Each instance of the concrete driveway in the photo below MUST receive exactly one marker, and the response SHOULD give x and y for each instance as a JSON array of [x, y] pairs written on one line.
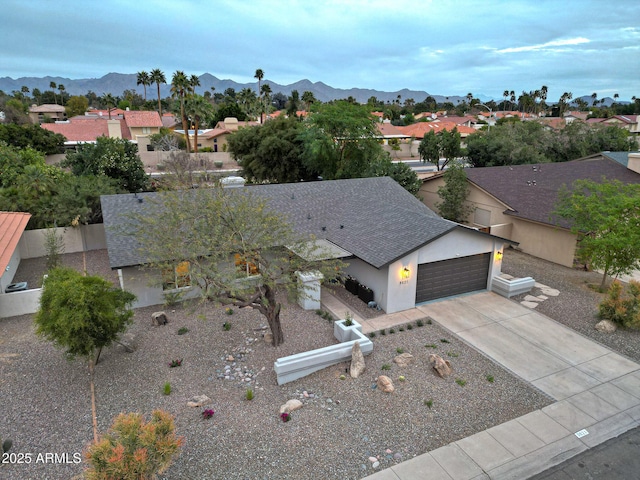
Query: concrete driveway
[[597, 393]]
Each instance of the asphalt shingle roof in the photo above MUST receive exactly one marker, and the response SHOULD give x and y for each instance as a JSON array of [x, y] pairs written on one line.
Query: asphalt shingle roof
[[515, 187], [375, 219]]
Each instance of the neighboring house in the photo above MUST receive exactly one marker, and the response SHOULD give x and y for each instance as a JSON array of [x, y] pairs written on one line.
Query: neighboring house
[[142, 123], [87, 129], [575, 115], [12, 225], [42, 113], [517, 202], [391, 241], [130, 125]]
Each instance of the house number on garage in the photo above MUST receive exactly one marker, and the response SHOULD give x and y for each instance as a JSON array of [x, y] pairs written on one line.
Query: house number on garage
[[403, 282]]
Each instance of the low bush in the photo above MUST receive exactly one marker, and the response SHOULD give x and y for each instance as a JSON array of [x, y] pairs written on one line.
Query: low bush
[[622, 306], [134, 448]]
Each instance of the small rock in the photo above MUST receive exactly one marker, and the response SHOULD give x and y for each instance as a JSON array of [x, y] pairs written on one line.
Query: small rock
[[159, 318], [397, 456], [385, 384], [388, 450], [376, 464], [291, 406], [404, 359], [373, 459], [531, 298], [198, 401], [268, 338], [606, 326], [230, 358], [305, 394]]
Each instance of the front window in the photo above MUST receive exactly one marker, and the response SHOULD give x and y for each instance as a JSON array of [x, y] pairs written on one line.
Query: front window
[[178, 277], [250, 267]]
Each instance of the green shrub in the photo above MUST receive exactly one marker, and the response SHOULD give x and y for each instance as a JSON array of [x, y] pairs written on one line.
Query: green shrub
[[182, 330], [226, 326], [400, 350], [401, 329], [453, 354], [228, 311], [372, 335], [167, 389], [318, 311], [490, 378], [134, 448], [348, 319], [431, 345], [622, 306], [386, 366], [391, 330], [249, 394], [409, 327], [419, 323], [428, 403], [444, 340], [461, 382], [383, 332]]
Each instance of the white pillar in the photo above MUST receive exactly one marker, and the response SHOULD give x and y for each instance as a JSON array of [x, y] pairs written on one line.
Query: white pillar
[[309, 289]]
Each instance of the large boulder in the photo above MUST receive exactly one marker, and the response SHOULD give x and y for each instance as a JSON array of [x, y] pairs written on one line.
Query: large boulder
[[159, 318], [404, 359], [385, 384], [290, 406], [357, 361], [442, 367]]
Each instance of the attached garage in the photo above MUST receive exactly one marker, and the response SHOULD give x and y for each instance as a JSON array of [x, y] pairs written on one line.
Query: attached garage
[[452, 277]]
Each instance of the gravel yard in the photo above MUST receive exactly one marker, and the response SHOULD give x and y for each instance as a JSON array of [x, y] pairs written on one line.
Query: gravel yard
[[46, 403]]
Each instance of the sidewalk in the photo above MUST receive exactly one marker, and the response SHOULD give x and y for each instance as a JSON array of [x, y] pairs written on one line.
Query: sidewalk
[[597, 391]]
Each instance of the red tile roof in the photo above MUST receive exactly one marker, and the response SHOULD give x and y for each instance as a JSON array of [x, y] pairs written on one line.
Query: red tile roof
[[142, 119], [12, 224], [86, 129], [388, 130], [419, 129]]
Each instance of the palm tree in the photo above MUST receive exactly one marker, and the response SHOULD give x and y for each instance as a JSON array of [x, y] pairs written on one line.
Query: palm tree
[[157, 77], [259, 75], [109, 101], [505, 94], [615, 97], [143, 79], [197, 109], [179, 88], [512, 98], [265, 93], [293, 102], [469, 97], [61, 89], [309, 98], [594, 98], [194, 81], [53, 86]]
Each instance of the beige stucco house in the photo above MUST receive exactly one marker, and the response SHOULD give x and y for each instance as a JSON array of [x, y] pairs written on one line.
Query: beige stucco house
[[517, 202], [51, 112]]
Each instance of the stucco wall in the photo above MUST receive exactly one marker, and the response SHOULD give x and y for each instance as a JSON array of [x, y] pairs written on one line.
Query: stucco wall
[[550, 243], [20, 303], [85, 237], [370, 276], [6, 277], [402, 292]]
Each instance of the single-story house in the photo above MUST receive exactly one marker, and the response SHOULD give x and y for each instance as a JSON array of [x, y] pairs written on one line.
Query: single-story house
[[516, 202], [392, 242]]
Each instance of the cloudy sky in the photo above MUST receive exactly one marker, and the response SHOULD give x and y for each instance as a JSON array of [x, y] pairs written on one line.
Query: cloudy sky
[[445, 47]]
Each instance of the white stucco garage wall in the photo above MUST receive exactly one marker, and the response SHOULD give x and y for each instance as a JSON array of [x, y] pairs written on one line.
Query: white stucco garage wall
[[144, 285], [375, 279]]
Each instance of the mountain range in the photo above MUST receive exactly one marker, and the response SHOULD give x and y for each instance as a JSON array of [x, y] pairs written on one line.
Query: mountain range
[[117, 83]]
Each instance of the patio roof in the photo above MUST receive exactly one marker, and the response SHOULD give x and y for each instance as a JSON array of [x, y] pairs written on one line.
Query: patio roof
[[12, 224]]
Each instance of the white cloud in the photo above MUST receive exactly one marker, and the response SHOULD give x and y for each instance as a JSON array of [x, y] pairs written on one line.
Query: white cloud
[[546, 46]]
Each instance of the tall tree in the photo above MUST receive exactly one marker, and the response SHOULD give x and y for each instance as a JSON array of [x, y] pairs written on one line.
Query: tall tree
[[453, 194], [194, 81], [293, 103], [259, 75], [157, 77], [110, 101], [77, 105], [143, 79], [605, 216], [198, 110], [429, 149], [53, 86], [265, 93], [179, 88], [244, 239], [82, 314], [61, 90]]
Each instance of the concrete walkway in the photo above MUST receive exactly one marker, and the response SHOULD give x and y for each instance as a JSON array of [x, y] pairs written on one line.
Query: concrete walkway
[[597, 391]]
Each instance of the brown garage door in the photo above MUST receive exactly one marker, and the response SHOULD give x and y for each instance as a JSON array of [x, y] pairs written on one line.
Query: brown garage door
[[452, 277]]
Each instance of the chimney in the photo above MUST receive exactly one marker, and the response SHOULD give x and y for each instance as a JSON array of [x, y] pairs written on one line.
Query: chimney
[[634, 162], [114, 129]]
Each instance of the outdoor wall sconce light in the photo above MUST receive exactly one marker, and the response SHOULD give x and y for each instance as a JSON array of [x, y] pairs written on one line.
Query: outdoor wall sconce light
[[405, 273], [498, 256]]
